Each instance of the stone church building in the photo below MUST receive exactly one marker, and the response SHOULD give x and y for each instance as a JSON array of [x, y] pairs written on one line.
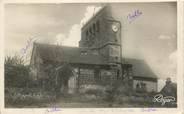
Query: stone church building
[[98, 60]]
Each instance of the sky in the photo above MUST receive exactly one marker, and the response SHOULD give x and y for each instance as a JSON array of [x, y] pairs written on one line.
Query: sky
[[151, 36]]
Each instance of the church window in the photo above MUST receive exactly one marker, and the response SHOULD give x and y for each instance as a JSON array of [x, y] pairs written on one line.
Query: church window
[[87, 33], [115, 51], [86, 75], [116, 40], [116, 57], [84, 53], [90, 30], [141, 87], [94, 28], [97, 26], [97, 75]]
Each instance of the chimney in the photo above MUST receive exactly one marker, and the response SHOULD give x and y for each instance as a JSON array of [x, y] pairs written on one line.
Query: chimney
[[168, 81]]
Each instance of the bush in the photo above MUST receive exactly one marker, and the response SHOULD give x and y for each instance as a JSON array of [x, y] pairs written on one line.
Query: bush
[[26, 95], [92, 89], [16, 73], [92, 92]]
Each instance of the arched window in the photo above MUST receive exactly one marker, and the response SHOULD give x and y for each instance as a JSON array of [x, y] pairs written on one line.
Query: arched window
[[94, 28], [87, 33], [97, 26], [90, 30], [116, 40]]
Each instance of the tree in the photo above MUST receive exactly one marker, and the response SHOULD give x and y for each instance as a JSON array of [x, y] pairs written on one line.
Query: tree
[[63, 74], [14, 60], [16, 73]]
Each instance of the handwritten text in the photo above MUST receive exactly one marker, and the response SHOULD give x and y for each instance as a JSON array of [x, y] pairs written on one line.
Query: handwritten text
[[28, 45], [148, 109], [133, 15], [54, 109]]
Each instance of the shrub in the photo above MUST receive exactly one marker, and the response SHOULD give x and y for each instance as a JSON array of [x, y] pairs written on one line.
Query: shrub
[[16, 73], [92, 89], [26, 96]]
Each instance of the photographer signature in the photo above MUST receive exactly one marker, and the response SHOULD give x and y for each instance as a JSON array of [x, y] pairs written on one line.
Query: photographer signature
[[162, 99]]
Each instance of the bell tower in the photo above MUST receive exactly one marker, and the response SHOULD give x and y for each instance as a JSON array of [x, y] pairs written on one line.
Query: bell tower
[[102, 34], [113, 44]]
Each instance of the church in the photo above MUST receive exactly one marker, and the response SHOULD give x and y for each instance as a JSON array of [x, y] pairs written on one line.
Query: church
[[97, 61]]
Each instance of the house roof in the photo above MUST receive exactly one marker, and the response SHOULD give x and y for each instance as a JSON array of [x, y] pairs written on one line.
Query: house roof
[[140, 68], [68, 54], [78, 55], [169, 89]]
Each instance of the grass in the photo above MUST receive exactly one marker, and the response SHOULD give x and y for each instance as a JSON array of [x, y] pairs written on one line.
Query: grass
[[89, 99]]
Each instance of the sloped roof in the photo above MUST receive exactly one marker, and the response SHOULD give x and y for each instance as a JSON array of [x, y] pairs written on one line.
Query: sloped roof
[[73, 55], [68, 54], [169, 89], [140, 68]]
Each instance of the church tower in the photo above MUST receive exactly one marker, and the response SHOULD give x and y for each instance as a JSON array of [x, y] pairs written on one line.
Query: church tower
[[102, 34]]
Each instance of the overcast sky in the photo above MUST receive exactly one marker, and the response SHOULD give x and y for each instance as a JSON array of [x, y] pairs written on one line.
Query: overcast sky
[[151, 36]]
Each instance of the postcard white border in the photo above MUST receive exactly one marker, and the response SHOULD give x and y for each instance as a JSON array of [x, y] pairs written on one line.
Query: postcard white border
[[180, 65]]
